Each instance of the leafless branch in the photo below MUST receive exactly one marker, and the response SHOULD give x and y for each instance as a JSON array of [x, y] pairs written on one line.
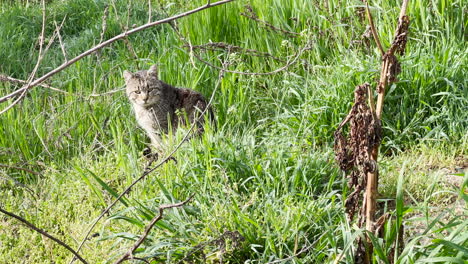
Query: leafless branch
[[16, 182], [129, 254], [249, 13], [107, 93], [100, 46], [298, 54], [149, 11], [44, 233], [373, 30], [5, 78], [282, 68], [104, 23], [226, 46], [19, 168], [62, 47]]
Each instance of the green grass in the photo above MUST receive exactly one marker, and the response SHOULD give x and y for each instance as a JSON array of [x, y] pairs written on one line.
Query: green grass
[[268, 169]]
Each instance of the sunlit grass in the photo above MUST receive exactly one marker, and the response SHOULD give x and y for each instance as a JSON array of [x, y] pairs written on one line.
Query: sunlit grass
[[267, 170]]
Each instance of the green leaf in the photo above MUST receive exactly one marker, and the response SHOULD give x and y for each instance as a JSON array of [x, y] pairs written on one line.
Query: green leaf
[[108, 188], [443, 260]]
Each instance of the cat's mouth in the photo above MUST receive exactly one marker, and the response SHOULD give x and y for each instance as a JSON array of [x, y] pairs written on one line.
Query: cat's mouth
[[146, 103]]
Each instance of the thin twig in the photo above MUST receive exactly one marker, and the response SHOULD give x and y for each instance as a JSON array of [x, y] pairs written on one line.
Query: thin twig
[[5, 78], [104, 44], [282, 68], [39, 59], [213, 46], [104, 23], [62, 46], [149, 11], [148, 228], [251, 14], [107, 93], [19, 168], [373, 30], [44, 233]]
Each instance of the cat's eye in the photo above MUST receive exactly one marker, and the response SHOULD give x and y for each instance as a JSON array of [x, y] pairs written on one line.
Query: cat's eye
[[137, 92]]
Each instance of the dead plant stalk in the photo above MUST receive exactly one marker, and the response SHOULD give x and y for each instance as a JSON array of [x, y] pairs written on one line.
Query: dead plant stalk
[[357, 154]]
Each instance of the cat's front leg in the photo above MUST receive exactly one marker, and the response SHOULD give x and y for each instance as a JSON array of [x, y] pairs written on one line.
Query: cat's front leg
[[157, 143]]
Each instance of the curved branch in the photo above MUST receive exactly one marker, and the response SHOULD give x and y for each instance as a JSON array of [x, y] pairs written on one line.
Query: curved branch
[[4, 78], [148, 228], [44, 233], [373, 30]]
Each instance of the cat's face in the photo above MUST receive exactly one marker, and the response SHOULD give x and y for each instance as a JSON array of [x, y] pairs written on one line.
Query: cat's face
[[143, 87]]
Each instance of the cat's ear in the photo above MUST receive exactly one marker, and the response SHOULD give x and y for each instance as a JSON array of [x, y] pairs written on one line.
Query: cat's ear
[[153, 71], [127, 75]]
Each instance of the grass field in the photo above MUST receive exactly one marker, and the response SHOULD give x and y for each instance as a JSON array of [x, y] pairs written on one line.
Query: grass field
[[264, 177]]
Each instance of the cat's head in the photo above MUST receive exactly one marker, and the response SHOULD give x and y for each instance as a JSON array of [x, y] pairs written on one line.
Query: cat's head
[[143, 87]]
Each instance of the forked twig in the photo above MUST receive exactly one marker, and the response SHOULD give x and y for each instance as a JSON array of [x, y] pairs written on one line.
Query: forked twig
[[373, 30], [5, 78], [129, 254], [44, 233]]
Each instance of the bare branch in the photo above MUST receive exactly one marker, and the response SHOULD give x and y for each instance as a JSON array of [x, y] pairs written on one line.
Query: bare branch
[[226, 46], [149, 11], [62, 47], [19, 168], [282, 68], [44, 233], [104, 44], [298, 54], [373, 30], [104, 23], [404, 6], [107, 93], [251, 15], [39, 59], [129, 254], [5, 78]]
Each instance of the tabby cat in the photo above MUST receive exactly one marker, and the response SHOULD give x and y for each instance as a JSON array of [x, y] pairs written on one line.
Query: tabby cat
[[159, 106]]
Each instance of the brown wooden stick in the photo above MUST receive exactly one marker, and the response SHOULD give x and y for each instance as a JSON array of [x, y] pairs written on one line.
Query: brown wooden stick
[[44, 233], [370, 199], [129, 254], [5, 78], [373, 30], [106, 43]]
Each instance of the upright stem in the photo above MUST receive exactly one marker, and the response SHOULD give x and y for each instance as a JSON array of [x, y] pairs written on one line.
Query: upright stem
[[372, 177]]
